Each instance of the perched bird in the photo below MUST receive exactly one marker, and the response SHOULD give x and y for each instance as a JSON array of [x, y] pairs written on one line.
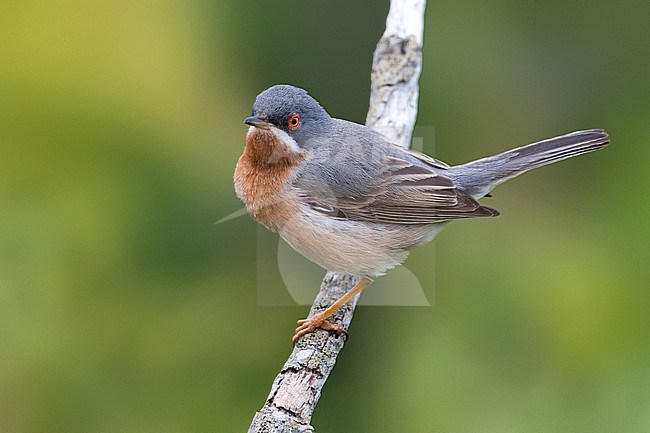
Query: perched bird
[[345, 197]]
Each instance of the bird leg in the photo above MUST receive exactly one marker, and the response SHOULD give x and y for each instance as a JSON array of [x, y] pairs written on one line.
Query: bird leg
[[310, 324]]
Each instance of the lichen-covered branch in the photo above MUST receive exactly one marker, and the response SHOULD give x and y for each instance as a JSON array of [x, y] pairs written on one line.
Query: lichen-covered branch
[[393, 109], [396, 67]]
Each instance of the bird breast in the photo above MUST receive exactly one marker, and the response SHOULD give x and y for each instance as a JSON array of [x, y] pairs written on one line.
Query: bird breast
[[261, 176]]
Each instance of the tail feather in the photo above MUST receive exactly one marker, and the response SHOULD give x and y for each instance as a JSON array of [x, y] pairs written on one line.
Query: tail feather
[[479, 177]]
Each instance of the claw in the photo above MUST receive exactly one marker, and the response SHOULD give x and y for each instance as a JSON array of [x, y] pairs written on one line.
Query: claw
[[307, 326]]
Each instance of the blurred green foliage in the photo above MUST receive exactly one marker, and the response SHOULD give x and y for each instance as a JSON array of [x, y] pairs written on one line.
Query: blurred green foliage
[[124, 308]]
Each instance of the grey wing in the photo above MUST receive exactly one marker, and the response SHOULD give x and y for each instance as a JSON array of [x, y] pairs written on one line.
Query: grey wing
[[401, 188]]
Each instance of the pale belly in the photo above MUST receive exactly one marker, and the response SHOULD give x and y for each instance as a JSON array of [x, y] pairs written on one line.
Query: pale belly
[[353, 247]]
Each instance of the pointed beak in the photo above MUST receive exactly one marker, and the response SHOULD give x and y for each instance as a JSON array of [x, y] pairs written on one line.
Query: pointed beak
[[260, 122]]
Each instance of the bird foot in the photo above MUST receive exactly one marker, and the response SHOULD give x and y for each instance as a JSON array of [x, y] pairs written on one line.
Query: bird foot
[[309, 325]]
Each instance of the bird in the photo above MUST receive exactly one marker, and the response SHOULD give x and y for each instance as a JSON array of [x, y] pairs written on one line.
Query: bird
[[347, 198]]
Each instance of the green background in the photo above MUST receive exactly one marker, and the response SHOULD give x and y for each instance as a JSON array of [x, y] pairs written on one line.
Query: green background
[[124, 308]]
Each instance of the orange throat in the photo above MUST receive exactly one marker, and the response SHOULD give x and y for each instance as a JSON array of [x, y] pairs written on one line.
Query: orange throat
[[261, 174]]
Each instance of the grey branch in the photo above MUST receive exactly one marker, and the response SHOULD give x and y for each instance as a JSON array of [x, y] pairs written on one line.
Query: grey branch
[[396, 67]]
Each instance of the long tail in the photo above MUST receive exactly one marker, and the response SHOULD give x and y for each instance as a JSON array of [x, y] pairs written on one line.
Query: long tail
[[480, 177]]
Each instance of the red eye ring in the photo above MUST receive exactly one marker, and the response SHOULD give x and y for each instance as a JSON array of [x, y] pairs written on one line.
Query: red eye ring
[[294, 122]]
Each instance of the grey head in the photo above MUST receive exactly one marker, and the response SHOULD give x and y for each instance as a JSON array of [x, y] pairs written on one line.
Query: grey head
[[291, 110]]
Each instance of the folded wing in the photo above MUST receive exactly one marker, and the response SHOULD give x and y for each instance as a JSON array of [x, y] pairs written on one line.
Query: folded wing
[[404, 190]]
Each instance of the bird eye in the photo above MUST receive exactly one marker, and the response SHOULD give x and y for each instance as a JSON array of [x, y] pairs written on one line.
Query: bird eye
[[294, 122]]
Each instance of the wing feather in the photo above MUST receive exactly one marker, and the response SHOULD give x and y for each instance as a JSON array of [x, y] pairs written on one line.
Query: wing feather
[[407, 191]]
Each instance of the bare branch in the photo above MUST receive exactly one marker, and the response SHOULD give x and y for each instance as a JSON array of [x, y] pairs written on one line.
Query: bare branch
[[396, 67], [393, 110]]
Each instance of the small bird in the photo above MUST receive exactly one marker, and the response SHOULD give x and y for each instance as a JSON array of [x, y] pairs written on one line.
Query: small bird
[[347, 198]]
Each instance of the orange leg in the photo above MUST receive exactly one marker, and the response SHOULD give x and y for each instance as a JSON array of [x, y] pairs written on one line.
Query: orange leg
[[310, 324]]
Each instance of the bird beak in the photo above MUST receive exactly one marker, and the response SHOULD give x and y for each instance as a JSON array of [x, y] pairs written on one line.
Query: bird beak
[[258, 121]]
